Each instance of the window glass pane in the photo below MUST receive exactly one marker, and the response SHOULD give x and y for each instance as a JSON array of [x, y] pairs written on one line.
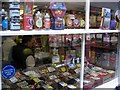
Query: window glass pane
[[55, 63], [101, 59], [103, 15]]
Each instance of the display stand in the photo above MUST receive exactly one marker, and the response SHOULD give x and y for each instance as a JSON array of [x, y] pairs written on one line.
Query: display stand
[[111, 84]]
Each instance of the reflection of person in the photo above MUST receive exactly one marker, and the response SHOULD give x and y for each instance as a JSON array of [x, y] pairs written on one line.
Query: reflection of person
[[8, 43], [22, 53]]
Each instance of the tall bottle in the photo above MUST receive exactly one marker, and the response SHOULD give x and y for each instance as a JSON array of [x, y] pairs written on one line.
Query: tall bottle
[[47, 22], [4, 20], [14, 14], [38, 20]]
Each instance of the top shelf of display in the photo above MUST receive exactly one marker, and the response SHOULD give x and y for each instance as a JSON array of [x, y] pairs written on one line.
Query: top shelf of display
[[48, 32], [71, 20]]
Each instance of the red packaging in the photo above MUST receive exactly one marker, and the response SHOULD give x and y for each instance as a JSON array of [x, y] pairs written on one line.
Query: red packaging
[[28, 7], [98, 82], [27, 23], [28, 17], [107, 78], [88, 86]]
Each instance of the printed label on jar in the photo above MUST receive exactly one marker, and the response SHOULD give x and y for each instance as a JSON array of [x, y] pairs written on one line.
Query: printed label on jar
[[28, 23], [39, 23], [47, 24]]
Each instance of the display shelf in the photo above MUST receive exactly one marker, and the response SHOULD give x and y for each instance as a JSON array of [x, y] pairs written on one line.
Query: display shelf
[[103, 47], [111, 84], [46, 32], [87, 30], [101, 31], [41, 32]]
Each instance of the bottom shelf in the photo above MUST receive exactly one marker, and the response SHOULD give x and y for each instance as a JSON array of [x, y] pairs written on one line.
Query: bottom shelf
[[111, 84], [59, 76]]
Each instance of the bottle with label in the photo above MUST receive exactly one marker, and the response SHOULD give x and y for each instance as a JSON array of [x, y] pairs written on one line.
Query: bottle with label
[[38, 20], [47, 21], [4, 20], [14, 15]]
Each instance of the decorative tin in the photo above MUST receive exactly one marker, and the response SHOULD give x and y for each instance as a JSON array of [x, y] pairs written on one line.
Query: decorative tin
[[58, 10]]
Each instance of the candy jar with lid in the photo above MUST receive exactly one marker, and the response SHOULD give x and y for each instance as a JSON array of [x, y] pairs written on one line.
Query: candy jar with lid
[[38, 20], [47, 22]]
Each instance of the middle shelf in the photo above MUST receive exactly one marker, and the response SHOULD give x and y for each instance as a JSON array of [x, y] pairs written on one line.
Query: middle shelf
[[47, 32]]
